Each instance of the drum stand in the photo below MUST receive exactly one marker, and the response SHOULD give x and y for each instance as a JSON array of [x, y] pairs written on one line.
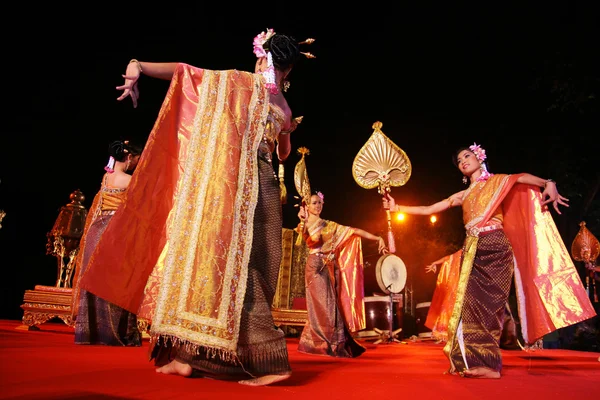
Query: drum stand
[[389, 336]]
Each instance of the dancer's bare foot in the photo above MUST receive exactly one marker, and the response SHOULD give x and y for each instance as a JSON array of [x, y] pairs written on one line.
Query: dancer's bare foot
[[264, 380], [175, 368], [481, 372]]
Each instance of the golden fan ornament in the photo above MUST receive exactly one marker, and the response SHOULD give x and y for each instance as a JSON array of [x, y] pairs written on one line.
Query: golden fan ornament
[[301, 177], [381, 164]]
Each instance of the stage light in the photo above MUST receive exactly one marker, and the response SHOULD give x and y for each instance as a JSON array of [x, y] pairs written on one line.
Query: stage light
[[433, 219], [401, 217]]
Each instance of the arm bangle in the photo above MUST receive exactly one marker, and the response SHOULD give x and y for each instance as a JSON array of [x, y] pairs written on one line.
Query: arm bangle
[[133, 60], [548, 181]]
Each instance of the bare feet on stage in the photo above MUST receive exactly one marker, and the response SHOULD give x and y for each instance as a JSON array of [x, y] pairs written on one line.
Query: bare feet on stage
[[175, 368], [264, 380], [481, 372]]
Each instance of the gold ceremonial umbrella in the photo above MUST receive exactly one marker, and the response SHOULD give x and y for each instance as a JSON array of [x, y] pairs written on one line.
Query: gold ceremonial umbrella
[[381, 163]]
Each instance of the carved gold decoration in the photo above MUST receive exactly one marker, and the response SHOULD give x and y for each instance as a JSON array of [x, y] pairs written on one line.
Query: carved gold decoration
[[2, 215], [290, 284], [289, 317], [144, 327], [301, 177], [586, 246], [380, 164], [63, 239], [282, 291], [44, 303]]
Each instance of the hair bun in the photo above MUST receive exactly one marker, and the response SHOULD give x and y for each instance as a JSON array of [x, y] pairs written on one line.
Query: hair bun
[[117, 150]]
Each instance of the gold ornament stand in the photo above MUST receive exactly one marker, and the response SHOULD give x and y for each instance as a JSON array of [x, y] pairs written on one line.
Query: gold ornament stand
[[290, 284], [45, 303]]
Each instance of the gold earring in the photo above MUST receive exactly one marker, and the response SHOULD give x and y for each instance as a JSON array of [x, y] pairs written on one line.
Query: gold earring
[[464, 179], [286, 85]]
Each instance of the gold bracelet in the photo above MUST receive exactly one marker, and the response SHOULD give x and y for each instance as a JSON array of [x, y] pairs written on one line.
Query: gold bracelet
[[133, 60]]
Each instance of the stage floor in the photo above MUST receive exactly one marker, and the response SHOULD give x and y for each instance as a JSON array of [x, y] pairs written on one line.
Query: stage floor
[[46, 364]]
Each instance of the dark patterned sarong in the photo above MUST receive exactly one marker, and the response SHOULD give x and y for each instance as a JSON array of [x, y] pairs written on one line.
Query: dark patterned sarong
[[99, 321], [325, 332], [261, 347], [477, 341]]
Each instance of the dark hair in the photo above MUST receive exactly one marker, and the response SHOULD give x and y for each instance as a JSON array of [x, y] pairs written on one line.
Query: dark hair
[[284, 50], [457, 152], [120, 148]]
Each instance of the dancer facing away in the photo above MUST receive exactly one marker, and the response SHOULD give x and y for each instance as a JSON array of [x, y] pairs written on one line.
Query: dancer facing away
[[97, 321], [334, 283], [500, 212], [205, 218]]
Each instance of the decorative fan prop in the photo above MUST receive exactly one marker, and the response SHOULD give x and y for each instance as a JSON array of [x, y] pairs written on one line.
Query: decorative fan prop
[[381, 164], [302, 183], [301, 178], [586, 248]]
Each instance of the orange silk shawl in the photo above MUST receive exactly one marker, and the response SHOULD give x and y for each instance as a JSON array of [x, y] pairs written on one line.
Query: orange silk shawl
[[549, 290], [345, 247], [444, 296], [187, 221]]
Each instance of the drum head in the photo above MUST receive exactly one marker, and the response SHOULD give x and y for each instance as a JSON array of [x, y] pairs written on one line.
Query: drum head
[[390, 273]]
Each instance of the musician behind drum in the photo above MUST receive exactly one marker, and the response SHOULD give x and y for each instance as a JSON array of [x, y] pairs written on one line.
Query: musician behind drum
[[334, 282]]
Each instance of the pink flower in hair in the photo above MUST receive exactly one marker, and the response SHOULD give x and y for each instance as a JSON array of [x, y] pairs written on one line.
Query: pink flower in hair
[[260, 40], [321, 196], [478, 151]]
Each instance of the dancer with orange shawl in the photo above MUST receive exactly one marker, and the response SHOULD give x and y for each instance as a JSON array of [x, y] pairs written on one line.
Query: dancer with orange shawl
[[444, 295], [506, 220], [334, 282], [201, 253]]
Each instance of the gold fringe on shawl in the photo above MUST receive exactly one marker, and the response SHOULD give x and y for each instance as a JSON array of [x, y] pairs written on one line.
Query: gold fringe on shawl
[[191, 199]]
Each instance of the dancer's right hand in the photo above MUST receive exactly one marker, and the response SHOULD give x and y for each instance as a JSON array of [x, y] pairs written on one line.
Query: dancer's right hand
[[388, 202], [302, 213], [130, 87], [430, 268]]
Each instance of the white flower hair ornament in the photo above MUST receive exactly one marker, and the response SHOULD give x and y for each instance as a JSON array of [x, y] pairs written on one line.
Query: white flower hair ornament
[[259, 51]]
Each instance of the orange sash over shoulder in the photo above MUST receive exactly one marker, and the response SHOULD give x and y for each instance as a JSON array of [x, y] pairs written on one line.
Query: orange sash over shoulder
[[188, 217], [549, 290], [444, 296], [340, 243]]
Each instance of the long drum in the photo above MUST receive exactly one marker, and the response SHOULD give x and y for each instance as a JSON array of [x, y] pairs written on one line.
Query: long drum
[[377, 314]]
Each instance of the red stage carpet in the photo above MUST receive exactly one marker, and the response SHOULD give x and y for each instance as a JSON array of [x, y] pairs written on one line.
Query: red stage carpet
[[46, 364]]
